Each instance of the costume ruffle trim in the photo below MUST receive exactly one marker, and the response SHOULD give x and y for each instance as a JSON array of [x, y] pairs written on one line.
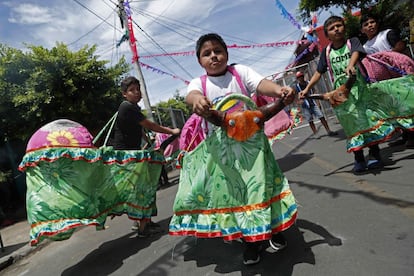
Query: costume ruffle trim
[[107, 155], [382, 132], [62, 229], [188, 225], [248, 222]]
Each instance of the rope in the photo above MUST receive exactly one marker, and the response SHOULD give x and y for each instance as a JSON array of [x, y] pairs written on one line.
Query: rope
[[110, 122]]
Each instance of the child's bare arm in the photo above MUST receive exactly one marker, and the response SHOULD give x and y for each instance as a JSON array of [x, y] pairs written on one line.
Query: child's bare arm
[[350, 69], [268, 88], [315, 78], [199, 103], [157, 128]]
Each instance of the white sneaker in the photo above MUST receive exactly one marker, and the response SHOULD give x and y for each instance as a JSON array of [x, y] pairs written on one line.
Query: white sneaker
[[135, 226], [277, 242]]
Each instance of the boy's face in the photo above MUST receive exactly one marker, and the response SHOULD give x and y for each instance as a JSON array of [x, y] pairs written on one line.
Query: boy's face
[[370, 28], [133, 93], [336, 31], [213, 58]]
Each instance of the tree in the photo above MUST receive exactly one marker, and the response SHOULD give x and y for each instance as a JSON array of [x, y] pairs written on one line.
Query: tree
[[308, 6], [42, 85], [392, 10]]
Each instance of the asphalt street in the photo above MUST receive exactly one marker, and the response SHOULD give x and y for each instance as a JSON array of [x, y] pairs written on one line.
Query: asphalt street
[[347, 225]]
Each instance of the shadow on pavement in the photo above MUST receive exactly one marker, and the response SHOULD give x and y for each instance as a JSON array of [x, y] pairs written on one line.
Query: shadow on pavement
[[334, 192], [228, 257], [11, 248], [388, 159], [110, 256], [292, 161]]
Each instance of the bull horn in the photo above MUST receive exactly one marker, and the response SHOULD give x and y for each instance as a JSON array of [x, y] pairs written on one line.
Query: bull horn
[[350, 81], [216, 117], [271, 109]]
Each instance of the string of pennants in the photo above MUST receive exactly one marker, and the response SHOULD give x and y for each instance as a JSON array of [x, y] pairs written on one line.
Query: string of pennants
[[233, 46], [156, 70], [307, 31]]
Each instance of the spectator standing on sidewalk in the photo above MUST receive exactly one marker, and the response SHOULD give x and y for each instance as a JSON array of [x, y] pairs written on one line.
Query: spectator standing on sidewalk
[[310, 109]]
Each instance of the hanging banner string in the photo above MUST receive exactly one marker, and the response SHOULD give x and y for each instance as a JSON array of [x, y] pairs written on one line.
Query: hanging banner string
[[189, 53], [233, 46], [287, 15], [159, 71], [307, 31], [295, 23]]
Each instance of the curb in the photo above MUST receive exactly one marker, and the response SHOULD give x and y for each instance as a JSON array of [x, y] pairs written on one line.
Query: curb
[[19, 254]]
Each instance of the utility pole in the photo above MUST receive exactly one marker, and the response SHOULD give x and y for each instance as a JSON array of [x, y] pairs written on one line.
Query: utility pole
[[126, 21]]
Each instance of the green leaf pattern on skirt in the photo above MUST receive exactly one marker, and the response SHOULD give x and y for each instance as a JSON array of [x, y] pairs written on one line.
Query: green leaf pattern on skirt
[[230, 189], [375, 111], [64, 194]]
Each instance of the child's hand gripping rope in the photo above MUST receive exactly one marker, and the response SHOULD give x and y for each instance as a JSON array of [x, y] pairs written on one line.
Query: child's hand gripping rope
[[339, 95]]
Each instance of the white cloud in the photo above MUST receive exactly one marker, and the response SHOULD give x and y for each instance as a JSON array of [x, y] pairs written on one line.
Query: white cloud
[[173, 25], [30, 14]]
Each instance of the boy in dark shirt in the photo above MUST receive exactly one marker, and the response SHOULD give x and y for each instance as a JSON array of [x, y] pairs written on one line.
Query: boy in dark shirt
[[129, 125], [130, 121]]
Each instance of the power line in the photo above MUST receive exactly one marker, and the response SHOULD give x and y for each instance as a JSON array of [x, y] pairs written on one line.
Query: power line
[[93, 29], [156, 19], [196, 30], [114, 40], [162, 49], [186, 30], [154, 42], [94, 13]]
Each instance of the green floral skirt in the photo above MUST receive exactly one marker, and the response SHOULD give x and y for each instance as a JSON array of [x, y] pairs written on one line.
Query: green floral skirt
[[232, 190], [71, 187], [374, 112]]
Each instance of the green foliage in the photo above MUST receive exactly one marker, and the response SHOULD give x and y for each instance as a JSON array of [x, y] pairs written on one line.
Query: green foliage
[[5, 176], [352, 25], [308, 6], [42, 85], [393, 14]]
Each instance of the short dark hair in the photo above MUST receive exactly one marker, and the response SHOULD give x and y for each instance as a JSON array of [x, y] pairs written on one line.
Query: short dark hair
[[207, 37], [329, 21], [368, 15], [125, 83]]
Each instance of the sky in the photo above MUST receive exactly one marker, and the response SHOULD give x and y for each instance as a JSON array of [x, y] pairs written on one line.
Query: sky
[[166, 32]]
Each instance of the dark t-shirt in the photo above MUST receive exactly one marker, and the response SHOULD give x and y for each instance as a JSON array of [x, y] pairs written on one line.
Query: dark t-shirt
[[127, 129]]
